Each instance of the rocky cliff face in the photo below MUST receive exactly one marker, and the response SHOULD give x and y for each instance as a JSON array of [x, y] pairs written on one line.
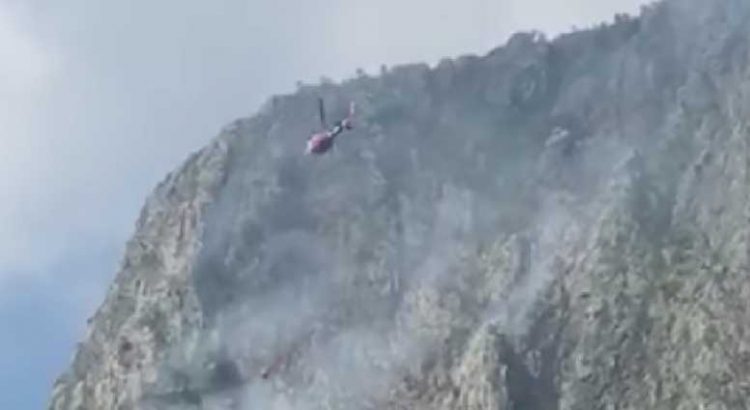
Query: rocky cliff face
[[555, 225]]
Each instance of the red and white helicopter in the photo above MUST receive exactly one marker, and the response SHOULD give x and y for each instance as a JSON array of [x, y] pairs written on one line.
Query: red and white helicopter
[[321, 142]]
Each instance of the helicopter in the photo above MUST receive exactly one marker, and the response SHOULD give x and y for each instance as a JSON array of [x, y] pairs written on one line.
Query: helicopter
[[322, 141]]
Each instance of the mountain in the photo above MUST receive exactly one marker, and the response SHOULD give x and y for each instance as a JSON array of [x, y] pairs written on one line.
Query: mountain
[[559, 224]]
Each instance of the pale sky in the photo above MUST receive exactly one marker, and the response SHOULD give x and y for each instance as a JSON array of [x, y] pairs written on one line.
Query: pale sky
[[100, 99]]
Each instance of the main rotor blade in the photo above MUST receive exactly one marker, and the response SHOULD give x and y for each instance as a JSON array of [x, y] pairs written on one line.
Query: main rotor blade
[[322, 110]]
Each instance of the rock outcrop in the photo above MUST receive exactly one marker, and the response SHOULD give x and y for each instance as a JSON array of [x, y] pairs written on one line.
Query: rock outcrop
[[555, 225]]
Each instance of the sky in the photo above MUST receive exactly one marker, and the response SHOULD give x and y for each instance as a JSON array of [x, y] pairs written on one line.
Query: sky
[[99, 100]]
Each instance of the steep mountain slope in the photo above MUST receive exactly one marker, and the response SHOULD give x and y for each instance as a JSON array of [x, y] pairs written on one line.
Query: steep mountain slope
[[555, 225]]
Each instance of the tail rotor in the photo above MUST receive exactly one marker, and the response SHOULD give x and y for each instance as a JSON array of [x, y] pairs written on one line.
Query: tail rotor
[[348, 121]]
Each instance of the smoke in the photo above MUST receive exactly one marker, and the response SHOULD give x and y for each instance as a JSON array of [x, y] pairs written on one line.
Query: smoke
[[563, 223], [325, 357], [283, 316], [300, 330], [537, 272], [294, 321]]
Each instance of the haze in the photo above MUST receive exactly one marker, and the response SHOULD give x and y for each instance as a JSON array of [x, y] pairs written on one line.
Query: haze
[[101, 99]]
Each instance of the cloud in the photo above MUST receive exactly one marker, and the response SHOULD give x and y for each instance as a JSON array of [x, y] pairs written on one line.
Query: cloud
[[26, 64], [25, 75]]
